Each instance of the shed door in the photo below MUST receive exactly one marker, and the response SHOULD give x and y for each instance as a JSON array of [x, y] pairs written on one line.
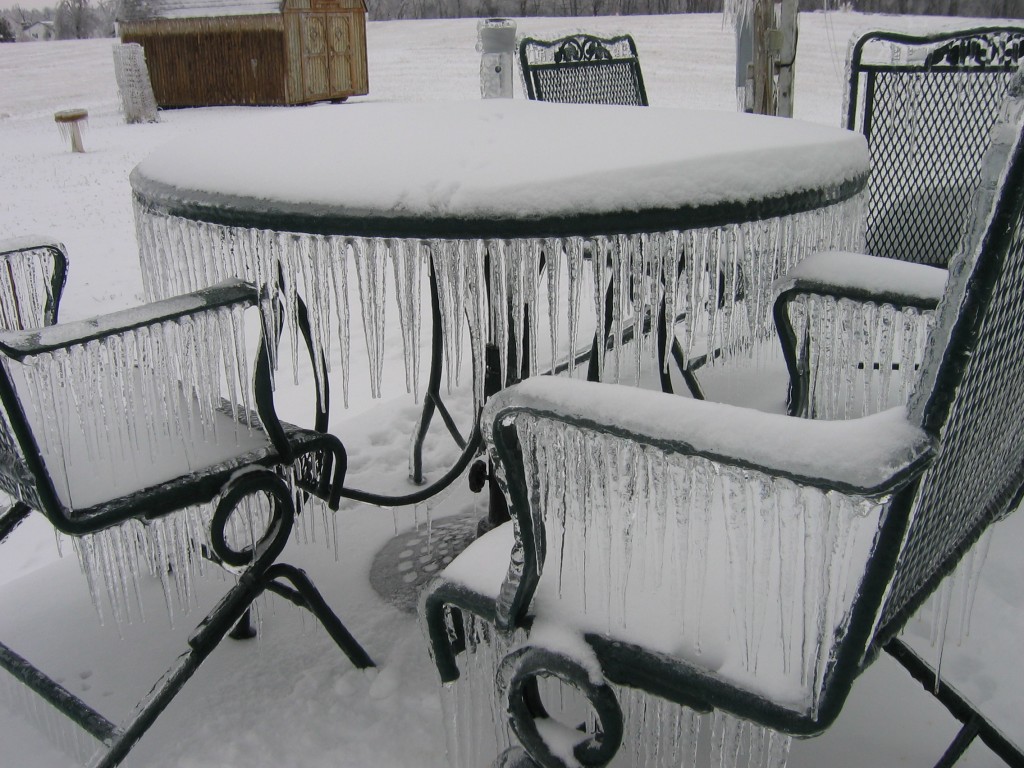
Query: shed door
[[326, 55]]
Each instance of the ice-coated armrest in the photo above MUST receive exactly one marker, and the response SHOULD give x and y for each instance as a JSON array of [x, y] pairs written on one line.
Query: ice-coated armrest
[[866, 278], [867, 456], [29, 243], [22, 344]]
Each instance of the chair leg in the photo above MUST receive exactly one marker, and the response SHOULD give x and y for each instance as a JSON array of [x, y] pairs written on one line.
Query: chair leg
[[12, 517], [975, 723], [243, 629]]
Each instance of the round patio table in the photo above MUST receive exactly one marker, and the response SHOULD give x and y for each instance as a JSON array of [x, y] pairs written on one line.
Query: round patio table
[[676, 214]]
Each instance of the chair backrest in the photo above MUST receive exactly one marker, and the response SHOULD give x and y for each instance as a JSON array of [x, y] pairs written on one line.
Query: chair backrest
[[32, 276], [926, 105], [971, 391], [96, 411], [583, 69]]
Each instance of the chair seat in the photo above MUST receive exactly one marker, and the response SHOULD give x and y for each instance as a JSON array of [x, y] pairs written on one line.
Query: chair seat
[[130, 458]]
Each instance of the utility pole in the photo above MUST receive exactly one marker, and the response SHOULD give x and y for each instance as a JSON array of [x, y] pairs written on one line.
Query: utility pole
[[766, 56]]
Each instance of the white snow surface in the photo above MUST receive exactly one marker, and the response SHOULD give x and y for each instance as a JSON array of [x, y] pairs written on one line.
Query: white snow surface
[[861, 454], [871, 274], [290, 698], [504, 158]]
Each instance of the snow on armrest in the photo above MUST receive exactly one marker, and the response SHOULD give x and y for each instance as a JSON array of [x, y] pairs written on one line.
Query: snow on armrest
[[22, 344], [868, 278], [867, 456], [482, 566], [29, 243]]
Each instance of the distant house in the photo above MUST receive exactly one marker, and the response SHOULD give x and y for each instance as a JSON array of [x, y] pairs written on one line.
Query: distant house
[[209, 52], [39, 30]]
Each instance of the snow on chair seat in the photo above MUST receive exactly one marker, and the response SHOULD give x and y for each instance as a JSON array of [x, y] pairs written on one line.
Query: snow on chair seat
[[684, 572], [150, 436]]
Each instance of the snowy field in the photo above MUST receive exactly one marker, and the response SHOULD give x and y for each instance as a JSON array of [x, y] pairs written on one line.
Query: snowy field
[[290, 699]]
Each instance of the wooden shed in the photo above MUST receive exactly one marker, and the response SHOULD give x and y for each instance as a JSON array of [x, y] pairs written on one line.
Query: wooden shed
[[210, 52]]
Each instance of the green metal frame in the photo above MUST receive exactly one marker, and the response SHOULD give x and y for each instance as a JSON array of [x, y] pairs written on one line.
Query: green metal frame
[[320, 463]]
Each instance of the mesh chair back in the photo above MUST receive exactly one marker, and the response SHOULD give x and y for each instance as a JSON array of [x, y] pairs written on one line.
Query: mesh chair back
[[583, 69], [972, 394], [926, 105]]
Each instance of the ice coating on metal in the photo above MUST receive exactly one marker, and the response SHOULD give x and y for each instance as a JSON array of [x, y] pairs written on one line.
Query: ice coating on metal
[[719, 277]]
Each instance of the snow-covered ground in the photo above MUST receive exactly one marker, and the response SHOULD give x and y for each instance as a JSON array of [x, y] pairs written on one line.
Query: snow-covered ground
[[290, 698]]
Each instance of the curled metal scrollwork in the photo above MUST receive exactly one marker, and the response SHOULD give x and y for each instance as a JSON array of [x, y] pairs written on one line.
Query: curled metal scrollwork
[[517, 677], [997, 49], [582, 48], [265, 544]]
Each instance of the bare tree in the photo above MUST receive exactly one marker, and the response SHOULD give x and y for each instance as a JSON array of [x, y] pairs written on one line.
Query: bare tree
[[74, 19], [6, 30]]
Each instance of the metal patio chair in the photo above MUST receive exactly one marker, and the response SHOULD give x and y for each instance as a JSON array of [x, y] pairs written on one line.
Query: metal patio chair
[[143, 427], [33, 271], [677, 566], [925, 105], [583, 69], [853, 327]]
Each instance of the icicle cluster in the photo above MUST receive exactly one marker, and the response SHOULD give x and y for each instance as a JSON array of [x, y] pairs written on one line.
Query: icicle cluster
[[949, 608], [114, 416], [716, 281], [861, 357], [657, 733], [138, 103], [168, 549], [748, 576], [20, 700], [107, 411], [25, 288]]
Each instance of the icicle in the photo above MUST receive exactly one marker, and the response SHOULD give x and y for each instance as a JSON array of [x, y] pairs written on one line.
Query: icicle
[[552, 249], [475, 306], [574, 262], [496, 257], [339, 256], [599, 259]]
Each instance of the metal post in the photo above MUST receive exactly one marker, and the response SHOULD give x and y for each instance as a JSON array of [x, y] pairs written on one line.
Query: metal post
[[496, 41], [744, 57], [786, 64]]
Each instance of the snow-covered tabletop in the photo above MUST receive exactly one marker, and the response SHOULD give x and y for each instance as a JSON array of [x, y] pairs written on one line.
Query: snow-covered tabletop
[[498, 168], [689, 213]]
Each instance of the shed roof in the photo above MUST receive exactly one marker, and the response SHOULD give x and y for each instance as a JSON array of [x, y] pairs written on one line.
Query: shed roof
[[142, 10]]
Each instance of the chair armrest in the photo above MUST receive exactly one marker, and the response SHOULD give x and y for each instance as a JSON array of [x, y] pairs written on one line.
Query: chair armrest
[[909, 290], [869, 456], [21, 344], [861, 277], [31, 243]]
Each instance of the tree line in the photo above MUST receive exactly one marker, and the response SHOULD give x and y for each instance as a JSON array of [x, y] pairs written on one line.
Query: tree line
[[71, 19], [442, 9], [95, 18]]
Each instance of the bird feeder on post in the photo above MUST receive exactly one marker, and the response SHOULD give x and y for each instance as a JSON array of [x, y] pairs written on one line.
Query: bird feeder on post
[[69, 121], [496, 41]]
